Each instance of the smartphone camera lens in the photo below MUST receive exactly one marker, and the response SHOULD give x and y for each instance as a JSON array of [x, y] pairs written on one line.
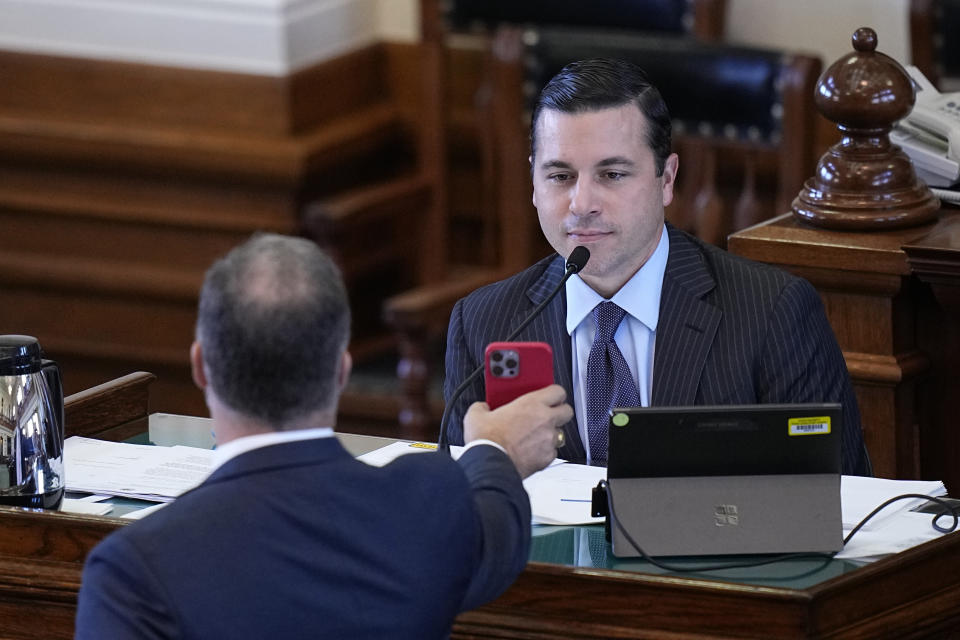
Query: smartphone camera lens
[[504, 363]]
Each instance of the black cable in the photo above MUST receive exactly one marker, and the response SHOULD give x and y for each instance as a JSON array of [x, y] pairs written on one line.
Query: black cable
[[577, 260], [789, 556], [947, 510], [442, 443]]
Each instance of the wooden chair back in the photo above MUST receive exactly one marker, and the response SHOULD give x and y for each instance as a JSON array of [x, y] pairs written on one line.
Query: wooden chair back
[[934, 46]]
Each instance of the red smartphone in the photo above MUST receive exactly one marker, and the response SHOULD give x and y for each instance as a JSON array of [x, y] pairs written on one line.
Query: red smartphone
[[512, 369]]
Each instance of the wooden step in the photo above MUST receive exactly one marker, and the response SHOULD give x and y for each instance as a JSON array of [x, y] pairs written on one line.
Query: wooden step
[[258, 158], [96, 276], [76, 192]]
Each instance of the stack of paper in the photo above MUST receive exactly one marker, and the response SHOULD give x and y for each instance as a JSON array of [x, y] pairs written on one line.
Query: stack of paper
[[863, 495], [895, 528], [146, 472]]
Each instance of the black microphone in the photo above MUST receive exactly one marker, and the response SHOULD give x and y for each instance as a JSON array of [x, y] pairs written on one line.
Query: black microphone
[[575, 263]]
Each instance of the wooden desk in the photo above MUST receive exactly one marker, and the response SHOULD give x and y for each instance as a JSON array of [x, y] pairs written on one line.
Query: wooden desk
[[892, 299], [913, 594]]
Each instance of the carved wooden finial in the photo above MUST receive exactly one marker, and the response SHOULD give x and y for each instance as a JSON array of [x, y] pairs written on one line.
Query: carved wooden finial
[[865, 39], [863, 182]]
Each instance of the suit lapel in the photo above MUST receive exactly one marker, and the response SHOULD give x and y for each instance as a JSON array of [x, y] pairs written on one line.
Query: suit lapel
[[551, 326], [687, 325]]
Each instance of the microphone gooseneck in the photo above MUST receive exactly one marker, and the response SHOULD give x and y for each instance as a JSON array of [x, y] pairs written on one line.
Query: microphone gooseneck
[[575, 263]]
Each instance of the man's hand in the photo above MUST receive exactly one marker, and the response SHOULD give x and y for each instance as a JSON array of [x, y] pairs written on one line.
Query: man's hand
[[526, 428]]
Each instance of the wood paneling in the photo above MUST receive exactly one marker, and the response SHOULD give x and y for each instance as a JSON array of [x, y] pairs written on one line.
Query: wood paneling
[[900, 342], [173, 152], [79, 90], [120, 183]]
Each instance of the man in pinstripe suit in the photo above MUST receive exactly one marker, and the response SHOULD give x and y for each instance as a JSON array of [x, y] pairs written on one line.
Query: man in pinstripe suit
[[702, 326]]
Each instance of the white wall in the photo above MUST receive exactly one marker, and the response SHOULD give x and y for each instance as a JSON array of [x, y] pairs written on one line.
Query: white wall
[[270, 37], [273, 37], [822, 27], [399, 20]]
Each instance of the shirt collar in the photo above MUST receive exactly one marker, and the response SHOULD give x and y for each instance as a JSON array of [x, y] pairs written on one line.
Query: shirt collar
[[639, 296], [237, 446]]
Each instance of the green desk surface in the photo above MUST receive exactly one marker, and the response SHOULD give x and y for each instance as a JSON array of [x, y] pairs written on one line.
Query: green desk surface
[[573, 546]]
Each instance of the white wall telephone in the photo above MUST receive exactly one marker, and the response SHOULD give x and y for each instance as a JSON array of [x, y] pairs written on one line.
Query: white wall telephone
[[930, 134]]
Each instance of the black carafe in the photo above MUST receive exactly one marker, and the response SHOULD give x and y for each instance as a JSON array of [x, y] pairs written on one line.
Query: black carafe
[[31, 426]]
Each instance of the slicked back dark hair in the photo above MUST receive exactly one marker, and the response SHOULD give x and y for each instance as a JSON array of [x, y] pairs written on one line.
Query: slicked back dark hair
[[273, 320], [606, 83]]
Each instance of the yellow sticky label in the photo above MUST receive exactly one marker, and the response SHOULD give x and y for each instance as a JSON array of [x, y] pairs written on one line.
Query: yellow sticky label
[[813, 426], [422, 445], [620, 419]]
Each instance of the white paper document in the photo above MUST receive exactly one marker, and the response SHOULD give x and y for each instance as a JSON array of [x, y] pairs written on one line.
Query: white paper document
[[85, 507], [894, 529], [904, 530], [860, 496], [139, 514], [562, 493], [559, 494], [389, 453], [147, 472]]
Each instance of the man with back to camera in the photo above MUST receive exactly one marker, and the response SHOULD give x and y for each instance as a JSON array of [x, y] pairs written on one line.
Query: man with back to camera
[[290, 537], [678, 322]]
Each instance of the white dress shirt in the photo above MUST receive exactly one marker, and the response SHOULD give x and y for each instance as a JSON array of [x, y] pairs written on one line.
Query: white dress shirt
[[635, 337], [235, 447]]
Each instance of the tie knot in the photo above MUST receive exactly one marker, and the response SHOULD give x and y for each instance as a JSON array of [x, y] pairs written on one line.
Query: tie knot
[[608, 316]]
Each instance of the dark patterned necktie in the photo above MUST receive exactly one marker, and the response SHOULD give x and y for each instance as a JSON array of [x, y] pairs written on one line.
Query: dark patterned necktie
[[609, 383]]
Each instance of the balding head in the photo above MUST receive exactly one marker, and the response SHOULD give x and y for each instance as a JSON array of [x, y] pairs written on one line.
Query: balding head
[[273, 323]]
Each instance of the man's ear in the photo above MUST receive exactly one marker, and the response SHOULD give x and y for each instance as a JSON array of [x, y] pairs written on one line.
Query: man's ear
[[196, 365], [534, 198], [343, 375], [670, 168]]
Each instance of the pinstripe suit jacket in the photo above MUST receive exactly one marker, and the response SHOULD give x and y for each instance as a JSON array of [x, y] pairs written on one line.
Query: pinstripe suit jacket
[[731, 331]]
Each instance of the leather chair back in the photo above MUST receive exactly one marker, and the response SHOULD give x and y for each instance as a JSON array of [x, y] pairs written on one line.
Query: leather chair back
[[711, 90], [664, 16], [743, 121]]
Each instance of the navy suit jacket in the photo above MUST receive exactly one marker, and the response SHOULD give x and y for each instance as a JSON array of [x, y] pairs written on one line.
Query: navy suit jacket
[[731, 331], [299, 540]]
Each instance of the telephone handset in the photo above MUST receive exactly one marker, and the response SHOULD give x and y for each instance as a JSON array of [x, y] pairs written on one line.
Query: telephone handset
[[936, 113], [930, 134]]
